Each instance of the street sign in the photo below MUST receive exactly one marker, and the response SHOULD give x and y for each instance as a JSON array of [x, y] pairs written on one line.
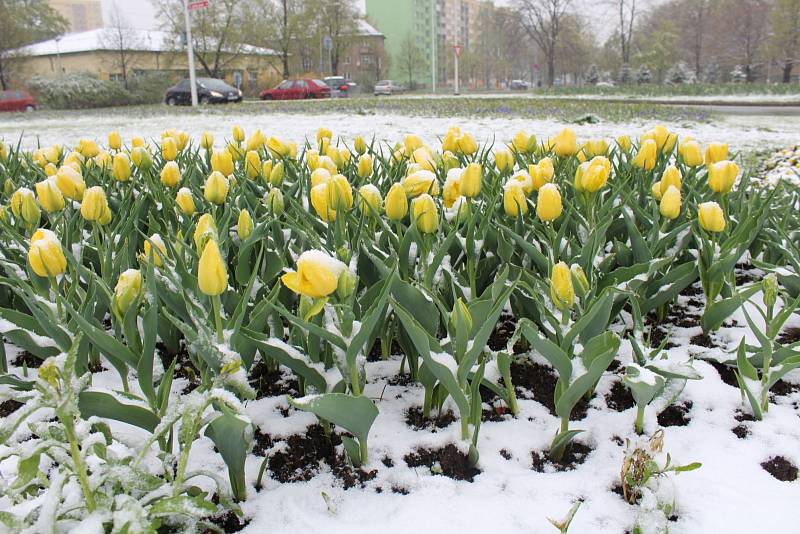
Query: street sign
[[199, 4], [327, 42], [458, 49]]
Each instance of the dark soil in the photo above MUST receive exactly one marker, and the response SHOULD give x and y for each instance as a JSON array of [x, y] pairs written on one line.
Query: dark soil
[[27, 359], [540, 381], [416, 420], [272, 382], [375, 355], [400, 380], [575, 455], [504, 331], [780, 468], [304, 455], [741, 431], [8, 407], [703, 340], [789, 335], [744, 274], [184, 368], [726, 372], [676, 415], [782, 387], [620, 398], [228, 522], [505, 454], [496, 414], [447, 461]]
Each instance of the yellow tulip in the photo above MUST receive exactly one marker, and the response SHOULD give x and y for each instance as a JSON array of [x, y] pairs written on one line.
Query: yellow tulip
[[722, 175], [52, 153], [564, 144], [252, 164], [524, 143], [212, 276], [70, 182], [663, 138], [75, 160], [155, 246], [207, 141], [451, 191], [49, 195], [716, 152], [711, 217], [88, 148], [169, 148], [127, 290], [467, 144], [114, 141], [275, 202], [691, 153], [514, 201], [320, 199], [182, 139], [396, 202], [244, 225], [470, 185], [277, 174], [370, 201], [671, 177], [340, 193], [141, 158], [94, 206], [45, 254], [206, 229], [216, 188], [503, 159], [421, 182], [526, 179], [122, 167], [320, 176], [222, 162], [185, 201], [596, 174], [4, 151], [317, 275], [24, 205], [562, 291], [359, 144], [646, 156], [170, 174], [364, 166], [50, 169], [411, 143], [670, 206], [238, 133], [595, 147], [624, 143], [656, 190], [425, 213], [548, 204], [236, 151], [278, 148], [137, 142], [323, 133], [424, 158], [255, 141]]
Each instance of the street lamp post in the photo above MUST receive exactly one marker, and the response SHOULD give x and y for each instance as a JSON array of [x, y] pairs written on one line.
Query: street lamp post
[[58, 57], [190, 52]]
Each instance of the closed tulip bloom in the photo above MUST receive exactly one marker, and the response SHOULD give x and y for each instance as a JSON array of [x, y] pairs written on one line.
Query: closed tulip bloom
[[169, 148], [548, 204], [207, 141], [396, 203], [236, 151], [691, 153], [3, 151], [277, 174], [255, 141], [49, 195], [122, 167], [664, 139], [312, 159], [222, 162], [244, 225], [670, 206], [278, 148], [467, 144], [266, 170], [424, 158], [503, 159], [75, 160], [646, 156], [364, 166], [185, 201], [52, 153], [252, 164], [470, 185], [320, 201], [451, 191], [317, 275], [155, 246], [514, 201], [45, 254], [370, 201], [275, 202], [412, 142], [170, 174], [238, 133], [95, 204], [525, 179], [127, 291], [546, 169], [596, 174], [595, 147], [17, 198], [716, 152], [216, 188], [25, 207], [324, 133], [114, 141], [206, 229], [421, 182], [70, 182], [340, 193], [561, 289], [523, 143], [359, 145], [656, 190], [425, 214], [320, 176], [104, 161], [722, 175], [88, 148], [624, 143], [182, 139], [137, 142], [212, 276], [141, 158], [671, 177], [50, 169], [711, 217], [564, 144]]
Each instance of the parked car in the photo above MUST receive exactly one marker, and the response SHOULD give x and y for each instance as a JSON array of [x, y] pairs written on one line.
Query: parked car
[[340, 87], [16, 100], [388, 87], [297, 90], [209, 91], [519, 85]]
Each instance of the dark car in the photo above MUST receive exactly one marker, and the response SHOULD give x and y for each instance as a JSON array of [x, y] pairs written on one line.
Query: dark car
[[16, 100], [209, 91], [297, 90], [340, 87]]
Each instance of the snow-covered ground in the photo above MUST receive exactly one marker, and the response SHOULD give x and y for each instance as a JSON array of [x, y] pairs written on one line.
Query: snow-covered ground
[[742, 132], [741, 99]]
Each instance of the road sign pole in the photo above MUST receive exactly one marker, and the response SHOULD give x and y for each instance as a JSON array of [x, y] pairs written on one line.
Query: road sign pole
[[457, 53], [190, 52], [433, 45]]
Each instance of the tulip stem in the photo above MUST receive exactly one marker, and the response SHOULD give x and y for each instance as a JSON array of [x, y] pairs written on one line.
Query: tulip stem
[[54, 286], [217, 317]]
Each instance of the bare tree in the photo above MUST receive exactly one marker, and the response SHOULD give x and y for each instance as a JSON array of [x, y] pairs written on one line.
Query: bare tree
[[120, 38], [785, 38], [626, 11], [340, 21], [696, 12], [543, 19], [742, 26]]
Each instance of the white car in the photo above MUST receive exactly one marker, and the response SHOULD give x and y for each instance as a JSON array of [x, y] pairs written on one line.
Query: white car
[[388, 87]]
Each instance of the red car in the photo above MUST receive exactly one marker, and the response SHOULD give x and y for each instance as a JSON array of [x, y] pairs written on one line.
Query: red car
[[16, 100], [297, 90]]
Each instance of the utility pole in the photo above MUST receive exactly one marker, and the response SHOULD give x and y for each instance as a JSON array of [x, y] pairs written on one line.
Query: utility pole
[[190, 52], [433, 45], [457, 51]]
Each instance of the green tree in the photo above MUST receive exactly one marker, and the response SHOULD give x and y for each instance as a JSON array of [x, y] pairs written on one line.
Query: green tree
[[658, 50], [23, 22], [785, 37], [409, 59]]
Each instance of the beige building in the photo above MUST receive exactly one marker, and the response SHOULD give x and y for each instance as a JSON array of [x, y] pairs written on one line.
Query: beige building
[[82, 15]]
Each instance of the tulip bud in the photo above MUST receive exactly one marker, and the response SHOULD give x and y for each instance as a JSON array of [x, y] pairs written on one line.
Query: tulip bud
[[359, 144], [396, 205], [3, 151], [231, 367], [137, 142], [548, 204], [470, 185], [670, 206], [142, 158], [252, 164], [452, 187], [467, 144], [503, 160], [88, 148], [45, 254], [722, 175], [185, 201], [277, 174], [206, 229], [212, 276], [94, 205], [170, 174], [207, 141], [364, 166], [346, 284], [595, 147], [656, 190], [671, 177], [278, 148], [169, 149], [323, 133], [716, 152], [317, 275], [8, 186], [770, 288], [565, 143], [645, 158], [244, 225], [255, 142], [236, 152], [524, 143], [50, 169], [596, 174], [579, 281], [624, 143], [450, 161], [50, 196], [222, 162], [70, 182], [340, 193], [216, 188], [114, 141], [425, 214], [238, 133], [711, 217], [127, 290], [122, 167], [691, 153], [155, 246], [561, 290], [370, 200], [275, 202], [514, 201], [28, 209]]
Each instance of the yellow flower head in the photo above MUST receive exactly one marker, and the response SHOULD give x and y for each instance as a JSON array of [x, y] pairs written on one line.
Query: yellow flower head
[[317, 275]]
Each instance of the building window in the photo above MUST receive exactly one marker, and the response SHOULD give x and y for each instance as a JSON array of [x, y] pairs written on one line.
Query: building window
[[367, 60], [115, 77], [346, 61]]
